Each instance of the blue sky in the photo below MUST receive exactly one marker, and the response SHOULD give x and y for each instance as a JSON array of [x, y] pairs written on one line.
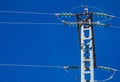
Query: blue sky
[[54, 45]]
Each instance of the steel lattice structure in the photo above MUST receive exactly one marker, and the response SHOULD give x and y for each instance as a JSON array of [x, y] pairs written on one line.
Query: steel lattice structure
[[86, 38], [85, 25]]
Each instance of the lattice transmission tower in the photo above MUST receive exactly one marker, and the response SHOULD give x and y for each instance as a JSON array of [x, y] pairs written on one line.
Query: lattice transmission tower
[[85, 25]]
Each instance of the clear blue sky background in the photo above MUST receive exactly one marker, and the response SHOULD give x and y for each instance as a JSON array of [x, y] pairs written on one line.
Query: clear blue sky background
[[53, 44]]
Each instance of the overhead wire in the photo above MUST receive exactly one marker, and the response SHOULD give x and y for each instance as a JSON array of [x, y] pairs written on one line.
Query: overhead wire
[[117, 17], [106, 20], [62, 67], [37, 66], [63, 22], [22, 12], [43, 13], [87, 6], [2, 22], [115, 26], [109, 78]]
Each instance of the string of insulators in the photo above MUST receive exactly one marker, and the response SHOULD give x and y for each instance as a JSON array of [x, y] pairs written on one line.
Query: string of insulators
[[71, 67], [66, 15], [101, 67], [75, 24], [101, 24], [107, 68], [103, 15], [71, 24]]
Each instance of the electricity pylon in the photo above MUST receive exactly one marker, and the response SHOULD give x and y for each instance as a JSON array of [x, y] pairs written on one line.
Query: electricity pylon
[[86, 38], [85, 25]]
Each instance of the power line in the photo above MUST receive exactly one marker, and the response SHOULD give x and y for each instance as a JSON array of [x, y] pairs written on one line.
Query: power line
[[114, 26], [65, 68], [23, 12], [107, 79], [64, 14], [43, 13], [88, 7], [49, 66], [67, 23], [106, 20], [36, 66], [27, 23]]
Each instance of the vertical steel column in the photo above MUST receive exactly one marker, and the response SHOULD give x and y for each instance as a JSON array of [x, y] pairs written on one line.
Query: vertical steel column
[[85, 31], [87, 59]]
